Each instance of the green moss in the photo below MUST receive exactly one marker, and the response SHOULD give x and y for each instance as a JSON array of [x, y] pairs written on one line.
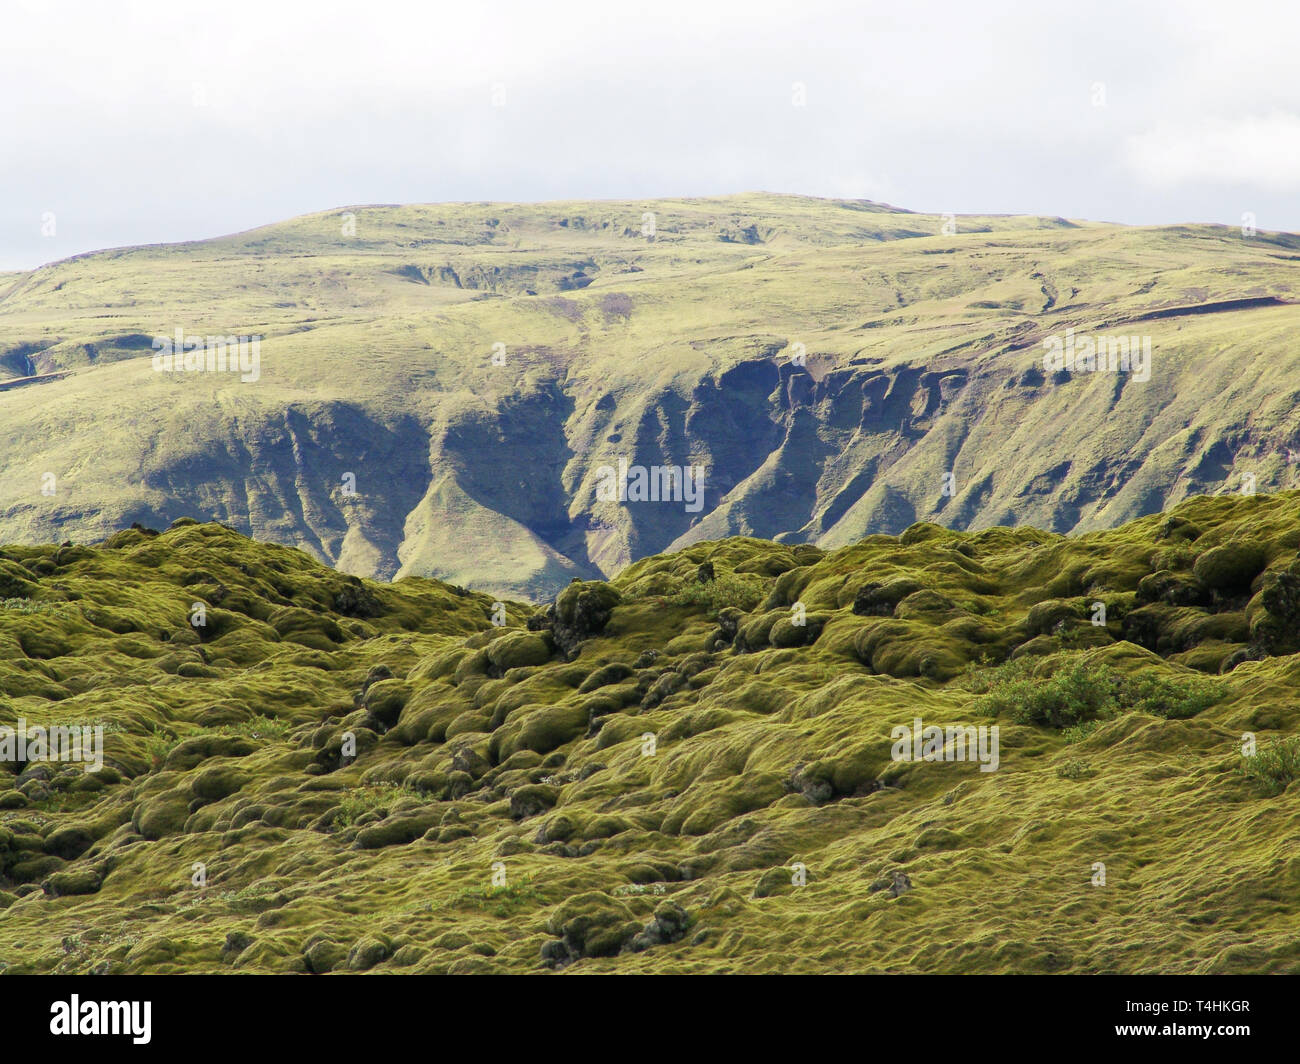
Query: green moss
[[350, 802], [73, 882], [1230, 568], [518, 650]]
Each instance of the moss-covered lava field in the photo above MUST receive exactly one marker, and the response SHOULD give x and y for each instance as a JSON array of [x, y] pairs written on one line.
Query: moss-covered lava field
[[685, 769]]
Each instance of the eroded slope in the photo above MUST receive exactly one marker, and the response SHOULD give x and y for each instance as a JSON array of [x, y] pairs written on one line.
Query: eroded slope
[[440, 386]]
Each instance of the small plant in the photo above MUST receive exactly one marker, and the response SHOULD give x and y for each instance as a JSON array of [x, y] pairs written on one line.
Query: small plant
[[717, 594], [254, 898], [259, 727], [1062, 691], [111, 727], [356, 805], [158, 744], [64, 802], [1077, 733], [1070, 695], [1174, 699], [32, 607], [637, 889], [501, 901], [1275, 766], [366, 799], [1075, 769]]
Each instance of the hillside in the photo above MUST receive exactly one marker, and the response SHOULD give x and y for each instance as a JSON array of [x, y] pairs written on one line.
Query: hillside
[[666, 772], [825, 362]]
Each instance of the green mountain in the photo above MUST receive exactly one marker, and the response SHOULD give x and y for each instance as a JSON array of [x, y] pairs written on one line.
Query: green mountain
[[439, 387], [693, 767]]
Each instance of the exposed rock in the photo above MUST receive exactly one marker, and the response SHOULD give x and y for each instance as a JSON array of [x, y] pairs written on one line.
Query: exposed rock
[[897, 883]]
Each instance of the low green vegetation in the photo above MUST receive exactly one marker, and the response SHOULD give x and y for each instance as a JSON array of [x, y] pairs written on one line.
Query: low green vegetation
[[1069, 692], [1077, 733], [1075, 769], [688, 768], [718, 593], [373, 802], [501, 901], [827, 362], [1276, 766]]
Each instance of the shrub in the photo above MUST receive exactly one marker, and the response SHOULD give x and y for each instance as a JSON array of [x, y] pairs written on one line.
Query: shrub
[[158, 744], [503, 901], [1174, 699], [743, 592], [1075, 769], [369, 798], [1274, 767], [1074, 692], [1077, 733]]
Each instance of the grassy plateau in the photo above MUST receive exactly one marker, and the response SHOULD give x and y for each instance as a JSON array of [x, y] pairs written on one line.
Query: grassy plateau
[[837, 367]]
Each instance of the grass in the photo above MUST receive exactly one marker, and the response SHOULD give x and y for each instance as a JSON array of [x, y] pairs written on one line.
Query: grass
[[370, 340], [260, 727], [368, 799], [502, 901]]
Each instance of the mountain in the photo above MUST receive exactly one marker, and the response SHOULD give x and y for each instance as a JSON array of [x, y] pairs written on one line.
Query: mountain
[[694, 767], [440, 387]]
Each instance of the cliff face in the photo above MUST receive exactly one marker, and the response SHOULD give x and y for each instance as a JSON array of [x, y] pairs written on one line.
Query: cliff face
[[437, 393]]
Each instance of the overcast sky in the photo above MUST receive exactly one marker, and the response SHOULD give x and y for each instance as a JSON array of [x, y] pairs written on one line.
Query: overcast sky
[[159, 120]]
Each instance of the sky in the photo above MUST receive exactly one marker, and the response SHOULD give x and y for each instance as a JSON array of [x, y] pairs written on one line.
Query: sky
[[145, 121]]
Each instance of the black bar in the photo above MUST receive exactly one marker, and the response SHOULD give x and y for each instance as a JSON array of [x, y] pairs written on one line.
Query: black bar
[[334, 1013]]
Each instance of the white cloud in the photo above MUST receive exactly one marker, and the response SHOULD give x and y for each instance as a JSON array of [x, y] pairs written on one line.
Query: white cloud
[[1257, 150], [938, 104]]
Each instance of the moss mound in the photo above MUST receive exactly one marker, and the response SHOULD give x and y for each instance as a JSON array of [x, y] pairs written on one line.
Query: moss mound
[[688, 768]]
